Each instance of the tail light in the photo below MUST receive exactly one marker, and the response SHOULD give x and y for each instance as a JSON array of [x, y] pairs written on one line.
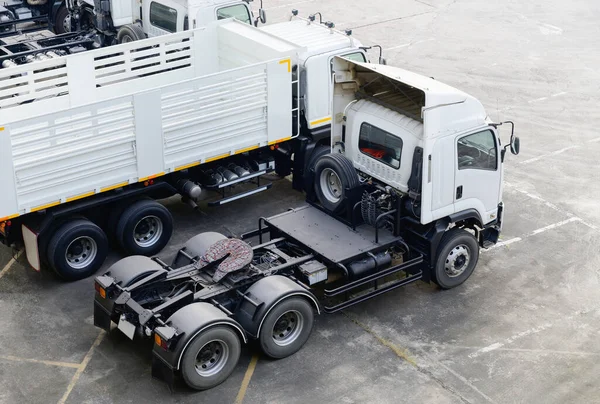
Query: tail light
[[101, 291]]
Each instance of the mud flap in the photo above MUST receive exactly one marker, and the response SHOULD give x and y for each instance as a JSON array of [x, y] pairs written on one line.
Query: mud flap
[[163, 372], [101, 317]]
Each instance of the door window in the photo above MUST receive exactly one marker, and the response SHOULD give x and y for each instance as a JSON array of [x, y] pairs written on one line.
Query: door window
[[380, 145], [356, 57], [163, 17], [478, 151], [239, 11]]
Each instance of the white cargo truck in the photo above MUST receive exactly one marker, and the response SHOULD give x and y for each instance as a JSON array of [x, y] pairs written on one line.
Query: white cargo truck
[[119, 21], [89, 139]]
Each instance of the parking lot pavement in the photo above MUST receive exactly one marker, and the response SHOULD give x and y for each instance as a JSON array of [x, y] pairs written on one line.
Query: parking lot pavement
[[522, 329]]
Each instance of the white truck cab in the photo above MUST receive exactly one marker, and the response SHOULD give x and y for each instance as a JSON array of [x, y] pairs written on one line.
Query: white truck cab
[[421, 137], [130, 20]]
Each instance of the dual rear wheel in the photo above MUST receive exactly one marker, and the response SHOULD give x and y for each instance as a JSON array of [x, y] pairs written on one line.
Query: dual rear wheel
[[213, 354], [78, 247]]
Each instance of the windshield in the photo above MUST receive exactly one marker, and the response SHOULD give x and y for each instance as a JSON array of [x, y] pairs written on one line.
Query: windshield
[[238, 11]]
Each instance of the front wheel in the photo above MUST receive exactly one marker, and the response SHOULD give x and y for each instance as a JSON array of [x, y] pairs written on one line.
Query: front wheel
[[210, 358], [286, 328], [62, 20], [457, 258]]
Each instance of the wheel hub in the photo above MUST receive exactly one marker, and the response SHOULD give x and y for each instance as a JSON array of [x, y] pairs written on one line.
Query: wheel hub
[[287, 328], [331, 185], [148, 231], [211, 358], [81, 252], [457, 261]]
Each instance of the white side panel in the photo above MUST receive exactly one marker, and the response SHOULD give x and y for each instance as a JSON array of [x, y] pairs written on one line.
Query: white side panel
[[121, 12], [81, 79], [205, 52], [442, 176], [148, 133], [215, 115], [8, 201], [65, 154], [279, 96]]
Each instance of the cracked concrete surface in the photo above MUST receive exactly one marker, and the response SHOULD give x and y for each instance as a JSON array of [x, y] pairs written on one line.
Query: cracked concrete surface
[[523, 329]]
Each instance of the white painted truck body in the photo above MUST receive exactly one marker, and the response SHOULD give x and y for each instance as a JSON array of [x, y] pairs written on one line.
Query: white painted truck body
[[87, 123]]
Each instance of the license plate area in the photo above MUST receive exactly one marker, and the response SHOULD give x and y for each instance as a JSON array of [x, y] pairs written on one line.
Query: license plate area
[[126, 327]]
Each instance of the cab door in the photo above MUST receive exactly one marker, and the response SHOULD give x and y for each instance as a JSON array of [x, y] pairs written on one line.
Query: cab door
[[478, 173], [164, 17]]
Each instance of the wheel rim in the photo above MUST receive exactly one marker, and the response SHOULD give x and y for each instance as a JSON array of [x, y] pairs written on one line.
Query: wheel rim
[[67, 23], [81, 252], [126, 39], [287, 328], [331, 185], [148, 231], [211, 358], [457, 261]]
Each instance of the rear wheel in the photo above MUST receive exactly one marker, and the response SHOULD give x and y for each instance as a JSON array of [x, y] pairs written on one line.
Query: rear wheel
[[210, 358], [457, 258], [197, 247], [144, 228], [77, 249], [130, 33], [129, 270], [334, 175], [286, 328]]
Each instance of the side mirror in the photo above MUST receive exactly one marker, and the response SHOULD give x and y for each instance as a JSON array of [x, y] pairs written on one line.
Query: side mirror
[[262, 16], [382, 61], [515, 144]]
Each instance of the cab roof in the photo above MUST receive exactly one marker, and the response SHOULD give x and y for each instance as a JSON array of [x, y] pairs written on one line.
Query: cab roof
[[315, 37]]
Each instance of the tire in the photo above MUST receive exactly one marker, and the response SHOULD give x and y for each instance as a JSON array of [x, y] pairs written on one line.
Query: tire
[[276, 338], [309, 175], [77, 249], [130, 33], [456, 247], [129, 270], [144, 228], [197, 246], [116, 210], [334, 174], [219, 343], [60, 24]]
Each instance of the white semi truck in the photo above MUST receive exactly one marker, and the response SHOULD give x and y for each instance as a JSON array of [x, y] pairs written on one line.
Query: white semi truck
[[409, 188], [89, 139]]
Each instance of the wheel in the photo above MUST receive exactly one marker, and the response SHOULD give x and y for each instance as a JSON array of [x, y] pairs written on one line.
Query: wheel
[[334, 174], [210, 358], [286, 328], [197, 246], [457, 258], [129, 270], [130, 33], [77, 249], [144, 228], [62, 20], [309, 175]]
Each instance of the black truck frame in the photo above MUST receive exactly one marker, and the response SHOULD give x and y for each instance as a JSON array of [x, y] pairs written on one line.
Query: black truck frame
[[218, 292]]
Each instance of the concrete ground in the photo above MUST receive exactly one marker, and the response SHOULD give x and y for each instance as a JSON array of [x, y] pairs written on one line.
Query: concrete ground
[[523, 329]]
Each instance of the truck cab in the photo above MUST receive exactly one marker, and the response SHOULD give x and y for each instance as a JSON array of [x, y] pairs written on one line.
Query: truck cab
[[162, 17], [430, 144], [127, 20]]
